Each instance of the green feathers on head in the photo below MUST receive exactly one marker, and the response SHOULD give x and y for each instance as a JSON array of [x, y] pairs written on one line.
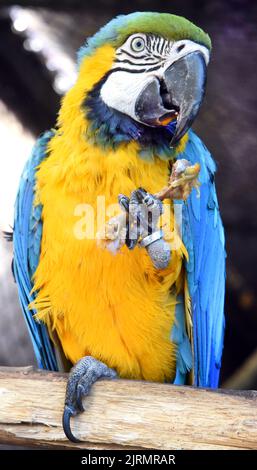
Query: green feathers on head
[[169, 26], [163, 24]]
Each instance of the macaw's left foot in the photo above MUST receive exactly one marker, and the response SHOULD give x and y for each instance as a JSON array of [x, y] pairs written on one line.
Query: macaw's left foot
[[82, 376]]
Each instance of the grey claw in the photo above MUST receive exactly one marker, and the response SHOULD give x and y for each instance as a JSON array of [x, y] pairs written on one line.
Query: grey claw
[[82, 376], [140, 193], [123, 202], [80, 393], [144, 210], [67, 413], [149, 200]]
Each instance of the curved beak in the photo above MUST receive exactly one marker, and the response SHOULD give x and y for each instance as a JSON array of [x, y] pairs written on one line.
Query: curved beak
[[174, 100]]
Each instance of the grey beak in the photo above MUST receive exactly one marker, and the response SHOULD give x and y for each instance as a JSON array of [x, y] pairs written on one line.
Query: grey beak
[[185, 81], [178, 96]]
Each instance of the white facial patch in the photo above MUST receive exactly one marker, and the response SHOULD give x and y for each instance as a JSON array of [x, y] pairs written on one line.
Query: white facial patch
[[137, 61], [121, 90]]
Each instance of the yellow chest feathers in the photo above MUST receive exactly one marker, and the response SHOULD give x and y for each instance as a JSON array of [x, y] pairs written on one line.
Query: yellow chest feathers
[[117, 308]]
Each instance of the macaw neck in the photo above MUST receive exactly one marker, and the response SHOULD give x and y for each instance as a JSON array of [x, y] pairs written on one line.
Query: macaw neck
[[109, 128]]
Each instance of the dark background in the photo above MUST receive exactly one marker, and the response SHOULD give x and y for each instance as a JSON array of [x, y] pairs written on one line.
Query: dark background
[[227, 124]]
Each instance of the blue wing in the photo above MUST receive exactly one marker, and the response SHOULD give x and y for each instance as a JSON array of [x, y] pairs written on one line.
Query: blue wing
[[203, 236], [184, 358], [26, 244]]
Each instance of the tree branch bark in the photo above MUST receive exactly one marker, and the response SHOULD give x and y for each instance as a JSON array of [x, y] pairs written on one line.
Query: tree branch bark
[[124, 414]]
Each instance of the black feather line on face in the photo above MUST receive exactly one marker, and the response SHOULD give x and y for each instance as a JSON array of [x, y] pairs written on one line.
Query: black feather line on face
[[127, 61], [8, 235]]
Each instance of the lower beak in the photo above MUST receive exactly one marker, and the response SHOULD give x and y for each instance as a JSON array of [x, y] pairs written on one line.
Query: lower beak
[[176, 98]]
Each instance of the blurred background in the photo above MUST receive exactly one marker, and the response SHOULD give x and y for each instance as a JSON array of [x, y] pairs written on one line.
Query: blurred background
[[38, 43]]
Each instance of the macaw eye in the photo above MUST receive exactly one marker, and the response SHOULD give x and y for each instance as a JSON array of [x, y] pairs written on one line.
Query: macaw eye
[[137, 44]]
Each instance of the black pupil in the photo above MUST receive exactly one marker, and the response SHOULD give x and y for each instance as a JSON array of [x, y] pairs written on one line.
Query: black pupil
[[139, 44]]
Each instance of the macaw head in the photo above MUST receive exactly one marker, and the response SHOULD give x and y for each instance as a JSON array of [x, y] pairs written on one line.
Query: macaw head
[[149, 76]]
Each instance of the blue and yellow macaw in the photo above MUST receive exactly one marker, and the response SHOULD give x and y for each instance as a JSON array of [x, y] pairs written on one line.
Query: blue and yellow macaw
[[155, 311]]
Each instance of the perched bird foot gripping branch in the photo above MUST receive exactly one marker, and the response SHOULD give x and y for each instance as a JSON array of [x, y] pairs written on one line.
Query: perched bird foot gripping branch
[[82, 376], [136, 292]]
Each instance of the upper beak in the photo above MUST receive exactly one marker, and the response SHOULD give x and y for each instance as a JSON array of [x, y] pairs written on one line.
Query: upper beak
[[176, 97]]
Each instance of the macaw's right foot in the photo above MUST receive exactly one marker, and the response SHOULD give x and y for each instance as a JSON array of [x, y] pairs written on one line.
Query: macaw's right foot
[[81, 378]]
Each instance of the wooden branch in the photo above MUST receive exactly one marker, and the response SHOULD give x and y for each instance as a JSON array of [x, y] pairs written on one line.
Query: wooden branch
[[123, 414]]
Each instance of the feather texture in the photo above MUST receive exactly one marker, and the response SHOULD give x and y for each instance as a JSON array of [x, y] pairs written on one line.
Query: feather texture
[[118, 29], [27, 242], [184, 360], [119, 309], [203, 236]]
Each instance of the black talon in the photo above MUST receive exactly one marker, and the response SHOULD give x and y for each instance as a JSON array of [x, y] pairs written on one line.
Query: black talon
[[79, 398], [124, 202], [81, 378], [149, 200], [140, 217], [67, 414], [141, 193]]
